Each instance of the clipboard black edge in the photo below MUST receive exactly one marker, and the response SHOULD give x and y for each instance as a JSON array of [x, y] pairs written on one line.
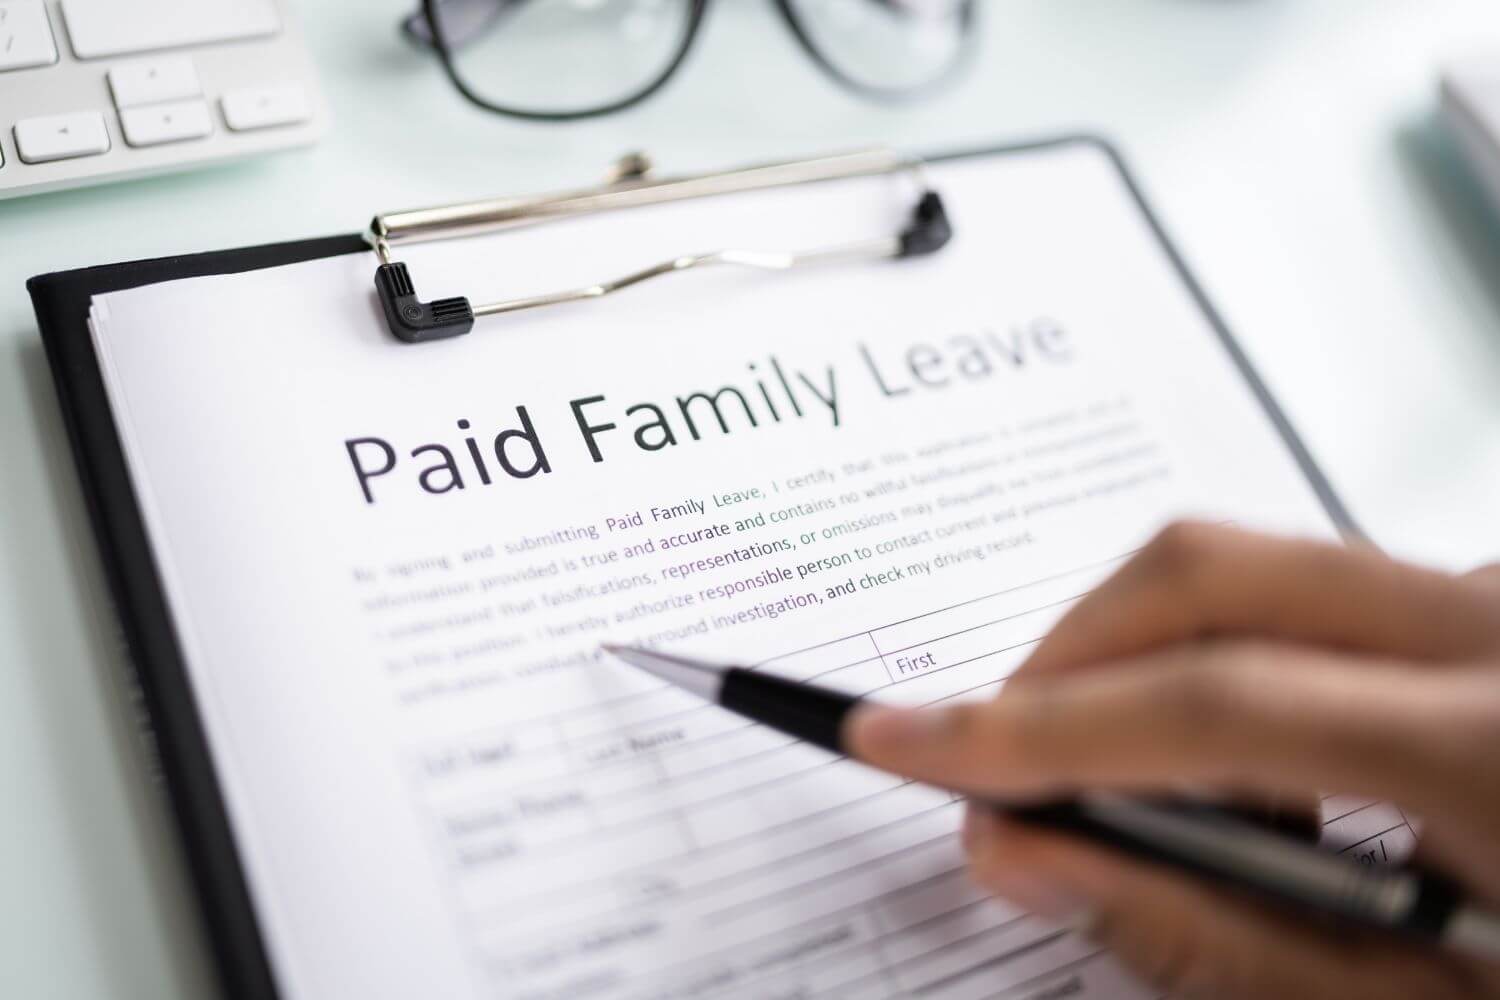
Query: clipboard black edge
[[158, 670], [61, 301]]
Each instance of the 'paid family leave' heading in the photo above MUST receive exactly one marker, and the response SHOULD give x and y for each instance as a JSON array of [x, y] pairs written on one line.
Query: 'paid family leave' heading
[[770, 394]]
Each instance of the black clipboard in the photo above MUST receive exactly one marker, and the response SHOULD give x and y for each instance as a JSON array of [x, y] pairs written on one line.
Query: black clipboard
[[62, 301]]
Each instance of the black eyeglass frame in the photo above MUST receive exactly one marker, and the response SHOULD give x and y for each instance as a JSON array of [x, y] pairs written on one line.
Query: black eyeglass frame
[[696, 9]]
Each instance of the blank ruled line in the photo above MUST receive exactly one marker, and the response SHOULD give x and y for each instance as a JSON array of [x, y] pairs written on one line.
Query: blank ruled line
[[942, 983], [983, 625], [882, 961], [810, 678], [721, 881], [834, 917], [1351, 812], [837, 989], [833, 959], [741, 875], [960, 942], [836, 957], [720, 915], [900, 890], [542, 900], [872, 945], [741, 945], [887, 936], [671, 811], [967, 690], [828, 916], [927, 922], [889, 894], [1053, 973], [1373, 836], [557, 894], [799, 820]]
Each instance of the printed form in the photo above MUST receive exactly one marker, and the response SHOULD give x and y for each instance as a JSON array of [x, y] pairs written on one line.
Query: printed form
[[391, 567]]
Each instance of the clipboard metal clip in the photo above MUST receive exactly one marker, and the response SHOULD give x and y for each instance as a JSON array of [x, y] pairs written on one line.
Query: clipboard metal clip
[[633, 185]]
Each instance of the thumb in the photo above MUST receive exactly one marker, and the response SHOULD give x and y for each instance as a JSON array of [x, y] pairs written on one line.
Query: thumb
[[1190, 939], [950, 746]]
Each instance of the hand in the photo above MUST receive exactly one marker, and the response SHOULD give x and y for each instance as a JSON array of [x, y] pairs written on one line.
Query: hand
[[1264, 668]]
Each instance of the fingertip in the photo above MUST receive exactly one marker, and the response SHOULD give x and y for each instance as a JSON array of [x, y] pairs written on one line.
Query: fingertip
[[886, 736], [979, 826], [1011, 856], [1009, 859], [1188, 937]]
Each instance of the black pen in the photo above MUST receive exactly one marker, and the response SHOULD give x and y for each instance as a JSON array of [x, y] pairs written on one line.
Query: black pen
[[1206, 840]]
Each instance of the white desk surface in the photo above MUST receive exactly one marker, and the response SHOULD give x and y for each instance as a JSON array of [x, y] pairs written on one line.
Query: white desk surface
[[1290, 147]]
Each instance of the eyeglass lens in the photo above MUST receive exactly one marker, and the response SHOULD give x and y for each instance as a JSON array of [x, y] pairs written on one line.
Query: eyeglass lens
[[569, 56], [886, 45], [561, 56]]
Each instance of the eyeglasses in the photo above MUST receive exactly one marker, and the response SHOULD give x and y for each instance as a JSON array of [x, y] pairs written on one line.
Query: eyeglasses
[[562, 60]]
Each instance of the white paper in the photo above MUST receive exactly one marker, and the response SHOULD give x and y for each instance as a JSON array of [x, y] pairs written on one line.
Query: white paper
[[439, 788]]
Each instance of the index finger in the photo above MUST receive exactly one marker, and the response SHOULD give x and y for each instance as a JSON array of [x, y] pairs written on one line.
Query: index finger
[[1235, 715], [1197, 580]]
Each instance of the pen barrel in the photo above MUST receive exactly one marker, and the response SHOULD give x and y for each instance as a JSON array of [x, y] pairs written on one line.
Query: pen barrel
[[1231, 846], [809, 713], [1227, 849]]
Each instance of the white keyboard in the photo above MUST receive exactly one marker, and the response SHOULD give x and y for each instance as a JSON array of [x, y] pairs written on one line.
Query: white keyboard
[[98, 90]]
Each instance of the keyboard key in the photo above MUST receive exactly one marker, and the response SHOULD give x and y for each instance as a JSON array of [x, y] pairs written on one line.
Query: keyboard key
[[169, 78], [263, 107], [165, 123], [61, 137], [113, 28], [25, 35]]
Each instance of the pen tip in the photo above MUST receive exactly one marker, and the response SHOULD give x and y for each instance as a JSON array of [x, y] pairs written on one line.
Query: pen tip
[[612, 648]]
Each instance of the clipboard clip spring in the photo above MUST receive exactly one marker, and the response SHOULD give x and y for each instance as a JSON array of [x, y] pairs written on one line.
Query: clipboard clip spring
[[927, 230]]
